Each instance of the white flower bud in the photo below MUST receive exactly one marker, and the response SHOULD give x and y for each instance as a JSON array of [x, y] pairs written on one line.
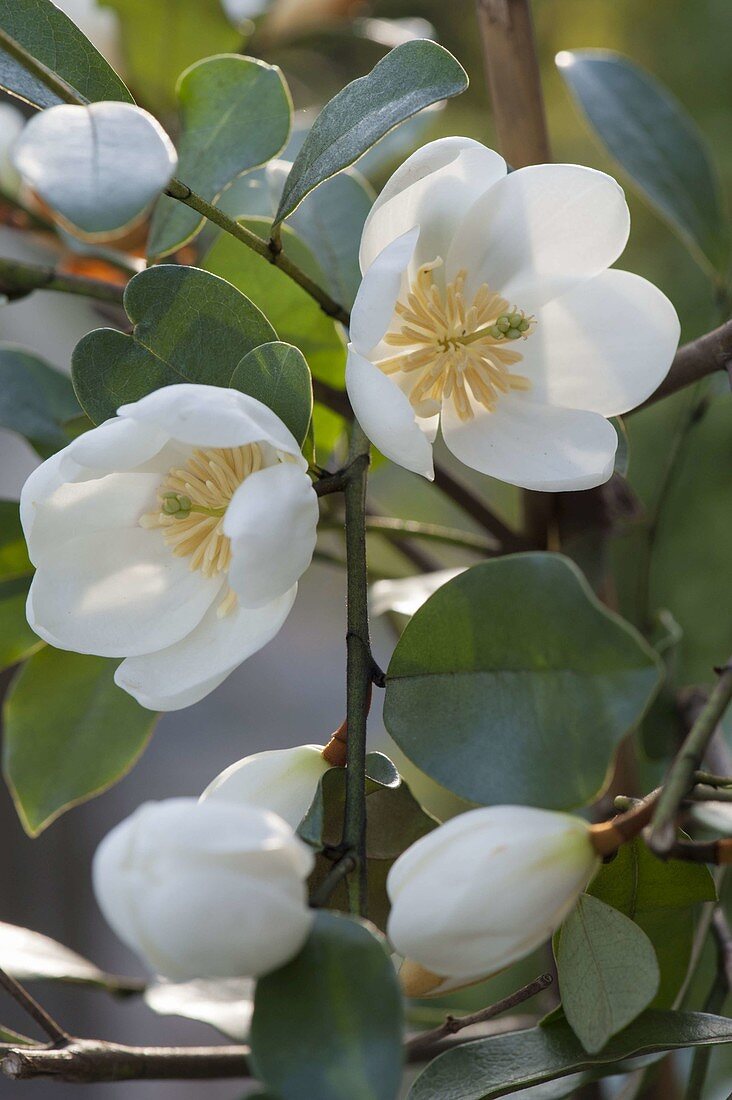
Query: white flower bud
[[205, 889], [281, 780], [484, 890]]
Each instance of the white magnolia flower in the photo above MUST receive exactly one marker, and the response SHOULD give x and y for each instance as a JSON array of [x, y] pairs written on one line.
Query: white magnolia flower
[[205, 889], [484, 890], [281, 780], [173, 536], [487, 306]]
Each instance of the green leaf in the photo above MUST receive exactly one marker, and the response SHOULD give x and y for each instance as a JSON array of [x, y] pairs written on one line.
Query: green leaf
[[297, 318], [656, 142], [10, 1038], [51, 38], [688, 574], [30, 956], [513, 683], [161, 39], [660, 897], [410, 77], [14, 560], [224, 1003], [503, 1064], [70, 733], [35, 399], [278, 375], [189, 326], [329, 1024], [17, 640], [607, 969], [235, 115]]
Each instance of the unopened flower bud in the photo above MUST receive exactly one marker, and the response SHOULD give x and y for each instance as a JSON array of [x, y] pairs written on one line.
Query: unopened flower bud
[[281, 780], [205, 889], [484, 890]]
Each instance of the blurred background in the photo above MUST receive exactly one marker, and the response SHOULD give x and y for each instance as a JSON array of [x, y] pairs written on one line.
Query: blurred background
[[293, 691]]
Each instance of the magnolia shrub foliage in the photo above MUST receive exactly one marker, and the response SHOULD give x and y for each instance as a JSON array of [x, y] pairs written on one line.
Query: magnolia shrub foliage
[[465, 318]]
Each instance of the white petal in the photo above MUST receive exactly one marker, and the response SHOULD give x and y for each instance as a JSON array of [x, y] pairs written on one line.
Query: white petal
[[378, 293], [272, 523], [532, 445], [540, 231], [184, 673], [78, 508], [43, 481], [432, 189], [211, 416], [98, 166], [117, 593], [604, 346], [117, 444], [386, 416]]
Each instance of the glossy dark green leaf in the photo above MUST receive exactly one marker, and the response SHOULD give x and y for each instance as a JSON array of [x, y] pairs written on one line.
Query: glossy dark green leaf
[[14, 560], [410, 77], [161, 39], [189, 326], [70, 733], [656, 142], [35, 399], [297, 318], [512, 683], [17, 640], [607, 969], [503, 1064], [51, 37], [278, 375], [235, 115], [329, 1024]]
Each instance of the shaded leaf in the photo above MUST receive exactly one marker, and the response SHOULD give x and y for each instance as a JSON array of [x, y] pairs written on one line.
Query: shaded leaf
[[35, 399], [99, 167], [297, 318], [277, 375], [608, 971], [17, 640], [14, 560], [656, 142], [342, 986], [410, 77], [70, 733], [235, 115], [189, 327], [512, 683], [503, 1064], [29, 956], [51, 37]]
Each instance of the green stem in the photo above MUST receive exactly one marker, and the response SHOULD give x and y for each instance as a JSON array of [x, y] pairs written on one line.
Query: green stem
[[360, 668], [714, 1005], [180, 191], [681, 776], [51, 80], [18, 279]]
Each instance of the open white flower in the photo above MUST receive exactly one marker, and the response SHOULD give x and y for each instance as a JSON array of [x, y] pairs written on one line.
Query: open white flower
[[173, 536], [281, 780], [205, 889], [487, 306], [484, 890]]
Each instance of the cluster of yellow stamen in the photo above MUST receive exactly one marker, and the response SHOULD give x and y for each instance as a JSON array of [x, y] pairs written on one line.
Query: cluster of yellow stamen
[[193, 501], [452, 347]]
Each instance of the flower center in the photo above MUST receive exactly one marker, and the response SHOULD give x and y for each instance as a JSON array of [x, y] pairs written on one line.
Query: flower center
[[453, 349], [193, 502]]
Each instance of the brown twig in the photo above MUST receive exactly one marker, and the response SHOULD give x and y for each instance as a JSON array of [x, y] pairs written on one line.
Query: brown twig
[[31, 1006], [83, 1061], [415, 1047], [710, 353], [18, 279]]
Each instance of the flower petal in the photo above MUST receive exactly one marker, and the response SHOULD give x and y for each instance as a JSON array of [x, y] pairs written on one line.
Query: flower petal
[[117, 593], [117, 444], [534, 446], [211, 416], [183, 674], [77, 508], [539, 231], [605, 346], [378, 293], [386, 416], [272, 523], [431, 189]]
